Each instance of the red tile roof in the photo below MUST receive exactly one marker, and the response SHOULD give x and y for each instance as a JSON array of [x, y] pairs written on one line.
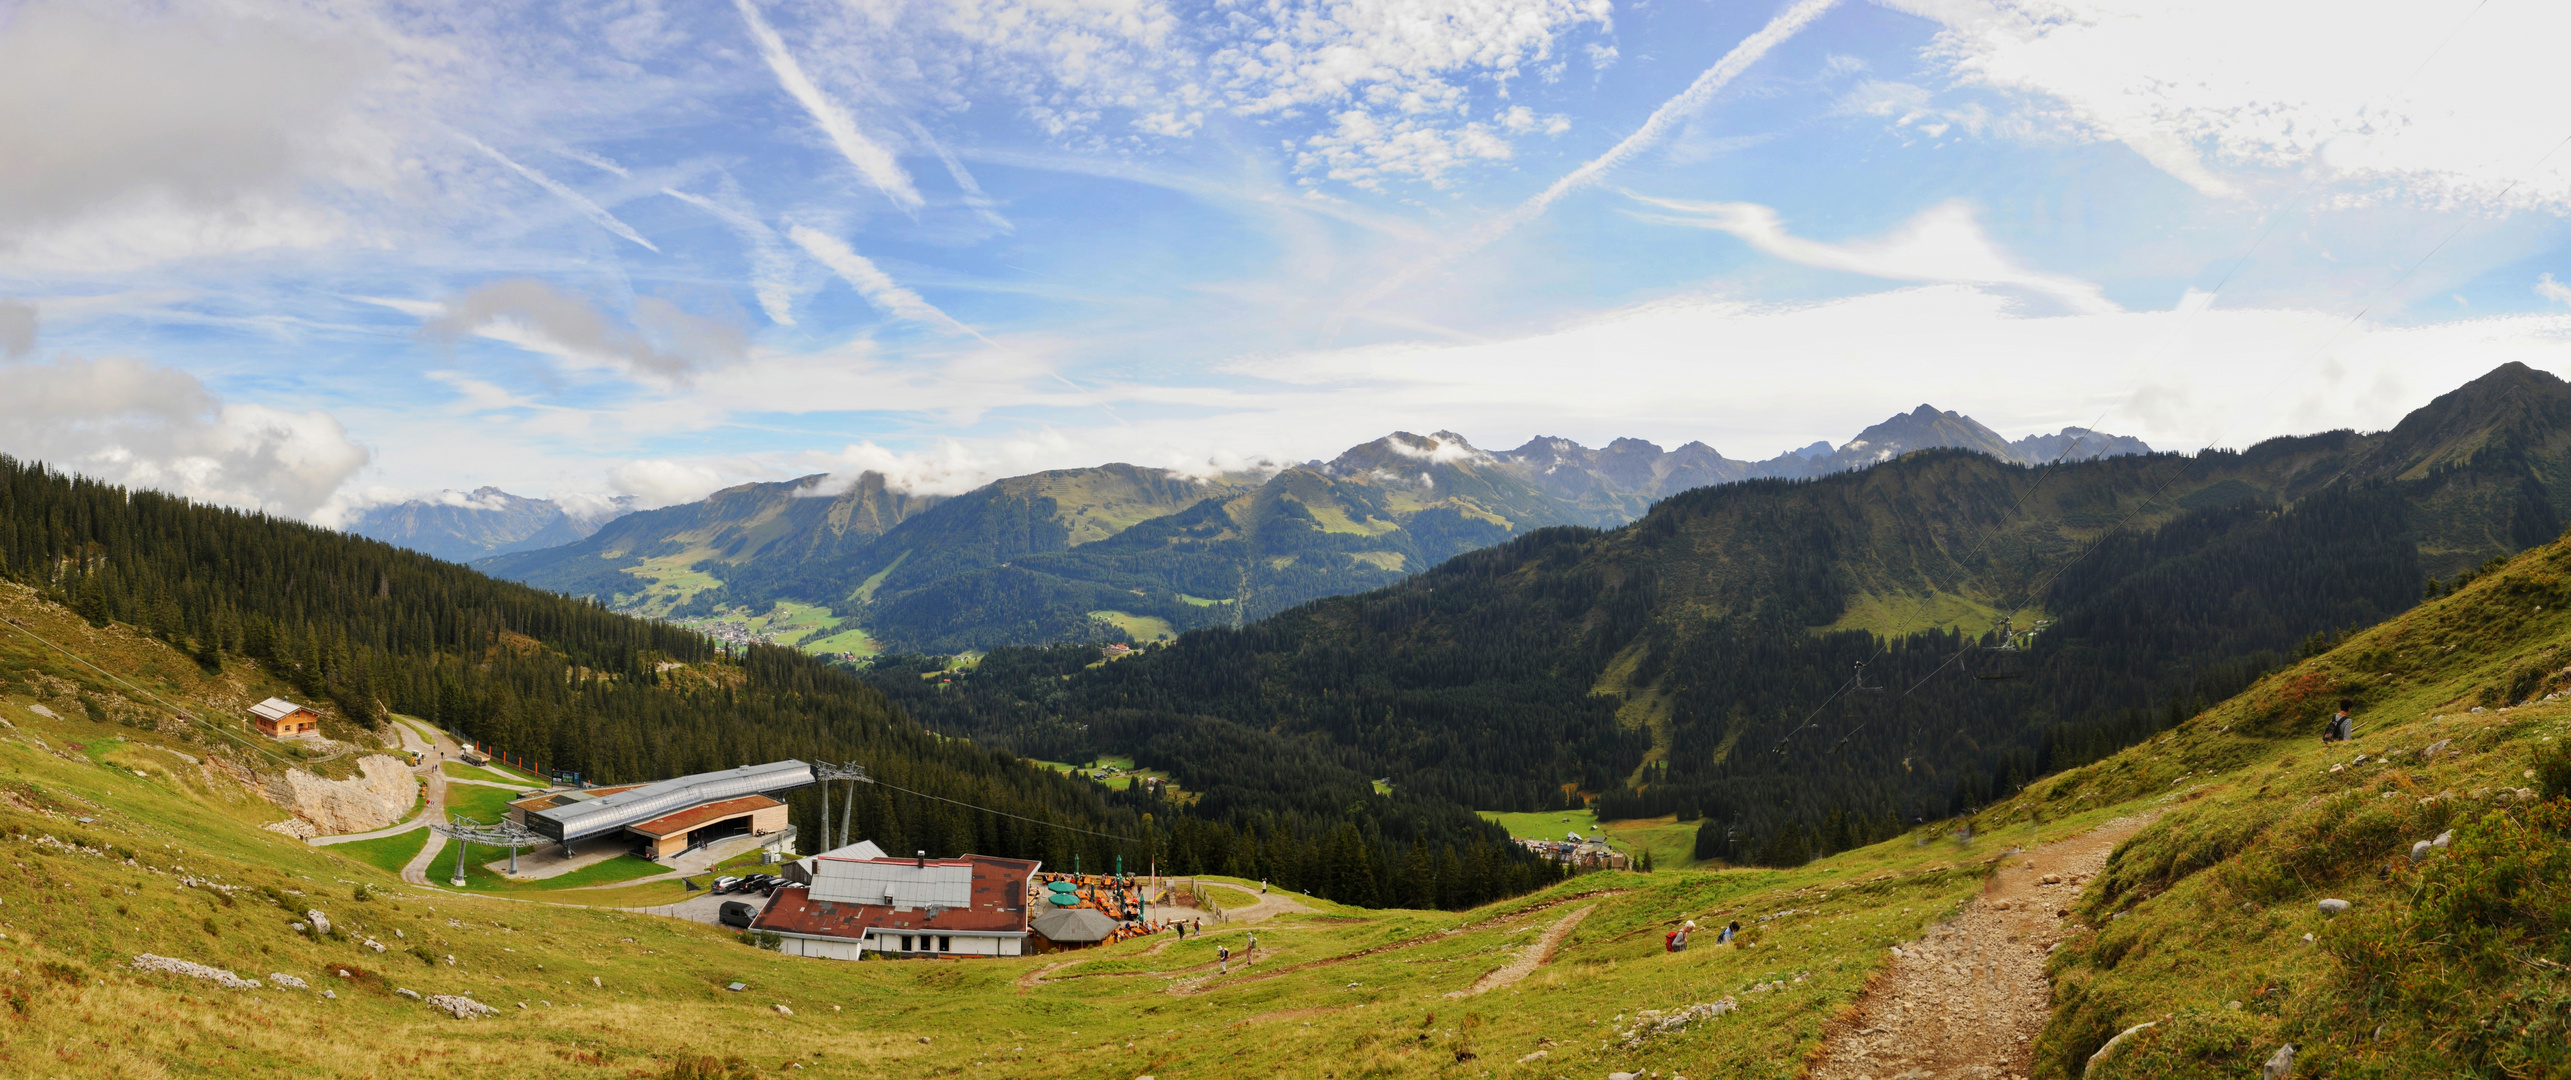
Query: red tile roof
[[705, 814], [999, 906]]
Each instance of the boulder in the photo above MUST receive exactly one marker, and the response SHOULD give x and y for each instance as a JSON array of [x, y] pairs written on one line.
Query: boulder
[[320, 923], [783, 1011], [381, 794], [2280, 1064], [2420, 851], [2333, 907], [279, 978], [2443, 839]]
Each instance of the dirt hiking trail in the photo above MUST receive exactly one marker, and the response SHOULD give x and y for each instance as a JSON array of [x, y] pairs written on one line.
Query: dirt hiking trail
[[1966, 1001]]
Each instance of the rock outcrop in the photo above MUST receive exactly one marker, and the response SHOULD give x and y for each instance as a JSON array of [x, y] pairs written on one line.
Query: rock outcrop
[[381, 795]]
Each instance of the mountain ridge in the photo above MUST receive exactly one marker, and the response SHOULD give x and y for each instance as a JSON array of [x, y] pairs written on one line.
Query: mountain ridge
[[1057, 556]]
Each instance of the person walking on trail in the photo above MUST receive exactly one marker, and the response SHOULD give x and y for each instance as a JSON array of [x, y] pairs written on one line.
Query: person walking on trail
[[1251, 945], [2342, 727], [1223, 959], [1263, 886]]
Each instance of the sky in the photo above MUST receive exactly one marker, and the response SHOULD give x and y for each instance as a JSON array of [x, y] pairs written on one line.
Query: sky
[[306, 257]]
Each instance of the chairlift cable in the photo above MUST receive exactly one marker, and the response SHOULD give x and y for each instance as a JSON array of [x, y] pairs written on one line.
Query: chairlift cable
[[183, 714], [1003, 813]]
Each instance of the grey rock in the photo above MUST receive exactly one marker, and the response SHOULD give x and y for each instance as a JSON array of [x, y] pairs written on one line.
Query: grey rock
[[330, 995], [1624, 1076], [320, 923], [2443, 839], [407, 992], [2333, 906], [2279, 1065], [2420, 851]]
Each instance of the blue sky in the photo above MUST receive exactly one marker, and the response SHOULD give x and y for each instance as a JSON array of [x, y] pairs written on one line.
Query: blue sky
[[308, 256]]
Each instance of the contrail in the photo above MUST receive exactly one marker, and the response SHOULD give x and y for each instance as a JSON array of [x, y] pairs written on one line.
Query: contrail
[[872, 282], [866, 154], [973, 195], [771, 275], [1654, 129], [588, 209]]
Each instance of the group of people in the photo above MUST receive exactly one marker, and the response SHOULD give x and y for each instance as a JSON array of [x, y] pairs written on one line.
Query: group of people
[[1676, 940]]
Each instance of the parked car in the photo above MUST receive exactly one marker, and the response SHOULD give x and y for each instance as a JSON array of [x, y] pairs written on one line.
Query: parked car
[[726, 885], [737, 914], [763, 884]]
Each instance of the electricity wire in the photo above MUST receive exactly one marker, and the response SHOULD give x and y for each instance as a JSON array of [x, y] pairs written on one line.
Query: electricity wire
[[175, 710]]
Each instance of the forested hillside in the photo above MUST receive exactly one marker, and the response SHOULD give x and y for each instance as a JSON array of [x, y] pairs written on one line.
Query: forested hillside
[[371, 628], [1699, 661]]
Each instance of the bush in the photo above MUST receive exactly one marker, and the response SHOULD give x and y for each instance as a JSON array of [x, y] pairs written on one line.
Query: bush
[[2553, 769], [707, 1068]]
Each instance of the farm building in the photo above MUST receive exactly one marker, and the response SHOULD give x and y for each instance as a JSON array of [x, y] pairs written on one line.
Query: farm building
[[283, 719], [661, 819], [972, 906]]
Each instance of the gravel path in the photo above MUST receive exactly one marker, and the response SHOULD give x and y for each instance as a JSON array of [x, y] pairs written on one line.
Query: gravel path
[[1532, 958], [1967, 1000]]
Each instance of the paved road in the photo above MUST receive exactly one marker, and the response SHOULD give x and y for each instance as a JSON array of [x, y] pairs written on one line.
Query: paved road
[[434, 753]]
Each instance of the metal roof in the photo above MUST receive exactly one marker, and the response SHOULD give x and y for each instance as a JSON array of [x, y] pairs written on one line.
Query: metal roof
[[276, 708], [893, 883], [591, 817]]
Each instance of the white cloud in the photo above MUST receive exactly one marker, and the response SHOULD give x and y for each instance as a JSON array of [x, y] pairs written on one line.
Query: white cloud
[[874, 284], [2446, 100], [1663, 122], [135, 423], [659, 482], [2552, 290], [872, 160], [1943, 243], [1397, 78]]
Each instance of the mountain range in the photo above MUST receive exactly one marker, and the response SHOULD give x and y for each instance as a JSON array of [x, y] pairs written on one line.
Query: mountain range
[[461, 526], [1769, 653], [1125, 552]]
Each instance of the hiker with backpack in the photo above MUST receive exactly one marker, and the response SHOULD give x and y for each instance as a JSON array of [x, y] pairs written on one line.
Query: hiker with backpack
[[2342, 726]]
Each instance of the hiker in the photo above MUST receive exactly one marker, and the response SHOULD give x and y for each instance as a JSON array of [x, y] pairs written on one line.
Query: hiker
[[1223, 958], [1676, 940], [1728, 932], [2341, 728], [1263, 886], [1252, 945], [1182, 929]]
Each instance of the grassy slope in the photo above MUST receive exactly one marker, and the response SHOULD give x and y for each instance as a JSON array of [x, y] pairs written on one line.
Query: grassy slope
[[2462, 975], [2454, 966]]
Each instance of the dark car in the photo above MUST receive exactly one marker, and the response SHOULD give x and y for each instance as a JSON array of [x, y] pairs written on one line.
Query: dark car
[[724, 885], [737, 914]]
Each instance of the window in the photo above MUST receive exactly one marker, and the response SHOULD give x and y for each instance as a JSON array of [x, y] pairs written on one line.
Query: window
[[945, 943], [906, 943]]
